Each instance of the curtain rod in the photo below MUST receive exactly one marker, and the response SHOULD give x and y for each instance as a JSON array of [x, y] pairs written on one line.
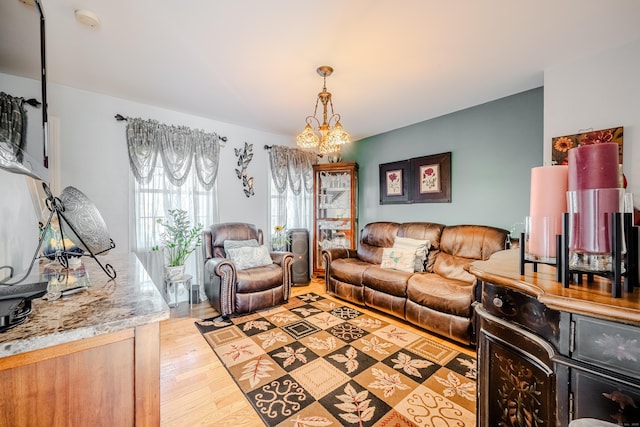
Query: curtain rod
[[120, 118]]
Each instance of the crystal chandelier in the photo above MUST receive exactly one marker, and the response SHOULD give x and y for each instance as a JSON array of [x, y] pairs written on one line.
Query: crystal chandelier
[[332, 134]]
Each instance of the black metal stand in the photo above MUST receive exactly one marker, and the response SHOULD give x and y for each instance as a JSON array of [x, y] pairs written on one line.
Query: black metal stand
[[557, 264], [56, 207], [624, 265]]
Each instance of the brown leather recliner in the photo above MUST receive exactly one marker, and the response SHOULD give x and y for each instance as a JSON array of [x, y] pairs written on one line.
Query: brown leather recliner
[[233, 291]]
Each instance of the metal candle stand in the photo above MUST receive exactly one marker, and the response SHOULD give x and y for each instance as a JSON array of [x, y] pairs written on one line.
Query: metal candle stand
[[56, 207], [524, 260], [624, 265]]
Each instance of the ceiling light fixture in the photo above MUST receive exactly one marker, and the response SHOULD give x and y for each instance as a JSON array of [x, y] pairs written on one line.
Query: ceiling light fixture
[[86, 17], [331, 136]]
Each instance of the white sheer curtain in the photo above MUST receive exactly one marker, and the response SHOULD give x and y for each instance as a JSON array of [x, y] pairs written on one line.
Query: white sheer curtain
[[291, 187], [184, 179]]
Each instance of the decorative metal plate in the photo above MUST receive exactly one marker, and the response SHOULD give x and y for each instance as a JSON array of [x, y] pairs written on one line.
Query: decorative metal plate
[[84, 217]]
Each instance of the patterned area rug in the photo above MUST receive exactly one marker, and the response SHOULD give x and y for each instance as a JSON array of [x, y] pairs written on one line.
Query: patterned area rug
[[316, 362]]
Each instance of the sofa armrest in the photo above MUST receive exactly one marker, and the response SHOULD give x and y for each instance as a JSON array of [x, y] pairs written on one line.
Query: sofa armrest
[[285, 260], [281, 257], [219, 281], [329, 255], [336, 253]]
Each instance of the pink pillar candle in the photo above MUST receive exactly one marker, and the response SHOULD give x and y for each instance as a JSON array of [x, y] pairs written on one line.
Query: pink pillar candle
[[594, 181], [593, 166], [547, 204]]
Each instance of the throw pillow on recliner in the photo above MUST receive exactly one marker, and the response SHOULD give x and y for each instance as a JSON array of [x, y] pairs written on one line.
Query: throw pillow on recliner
[[233, 244], [249, 256], [419, 247]]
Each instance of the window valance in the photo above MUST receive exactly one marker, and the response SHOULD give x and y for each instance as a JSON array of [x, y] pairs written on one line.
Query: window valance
[[179, 147], [292, 165]]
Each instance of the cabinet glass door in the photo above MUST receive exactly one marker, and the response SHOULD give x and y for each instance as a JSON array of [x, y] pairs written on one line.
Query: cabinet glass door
[[334, 214]]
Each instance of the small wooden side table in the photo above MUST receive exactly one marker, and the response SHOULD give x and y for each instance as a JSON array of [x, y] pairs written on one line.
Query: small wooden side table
[[185, 281]]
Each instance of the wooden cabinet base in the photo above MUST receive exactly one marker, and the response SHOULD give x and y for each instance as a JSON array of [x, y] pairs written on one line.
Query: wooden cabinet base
[[107, 380]]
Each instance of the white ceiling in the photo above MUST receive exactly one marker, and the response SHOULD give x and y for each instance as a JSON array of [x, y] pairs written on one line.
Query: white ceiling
[[253, 62]]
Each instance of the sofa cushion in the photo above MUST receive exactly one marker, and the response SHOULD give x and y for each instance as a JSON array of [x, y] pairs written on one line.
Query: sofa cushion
[[399, 259], [419, 248], [430, 231], [393, 282], [259, 278], [444, 295], [460, 245], [374, 237]]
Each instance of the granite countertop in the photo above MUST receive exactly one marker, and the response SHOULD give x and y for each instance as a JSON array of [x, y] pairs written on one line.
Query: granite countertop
[[130, 300]]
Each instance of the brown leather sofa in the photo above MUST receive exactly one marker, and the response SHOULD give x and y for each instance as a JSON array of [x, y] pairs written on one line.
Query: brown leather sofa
[[231, 290], [438, 299]]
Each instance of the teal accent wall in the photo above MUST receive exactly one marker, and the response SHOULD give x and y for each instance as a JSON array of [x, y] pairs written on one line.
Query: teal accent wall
[[493, 148]]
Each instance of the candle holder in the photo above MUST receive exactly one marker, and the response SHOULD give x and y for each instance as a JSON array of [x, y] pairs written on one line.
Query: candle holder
[[527, 259], [590, 228], [623, 265]]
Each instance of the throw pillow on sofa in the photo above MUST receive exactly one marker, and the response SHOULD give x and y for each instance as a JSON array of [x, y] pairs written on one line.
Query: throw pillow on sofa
[[249, 257], [398, 259], [419, 247]]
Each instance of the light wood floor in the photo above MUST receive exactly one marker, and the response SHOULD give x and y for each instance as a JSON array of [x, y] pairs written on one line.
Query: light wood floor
[[195, 389]]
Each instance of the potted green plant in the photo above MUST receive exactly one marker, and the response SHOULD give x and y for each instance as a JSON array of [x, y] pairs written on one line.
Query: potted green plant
[[178, 241]]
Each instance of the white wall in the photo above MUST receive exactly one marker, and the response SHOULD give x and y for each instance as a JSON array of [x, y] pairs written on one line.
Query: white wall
[[18, 223], [599, 91], [93, 158]]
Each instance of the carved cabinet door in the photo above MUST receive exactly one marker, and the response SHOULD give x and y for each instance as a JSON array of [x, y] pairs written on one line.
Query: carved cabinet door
[[516, 380]]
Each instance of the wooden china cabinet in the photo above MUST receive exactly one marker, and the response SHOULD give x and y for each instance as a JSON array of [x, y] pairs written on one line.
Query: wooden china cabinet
[[335, 219], [549, 355]]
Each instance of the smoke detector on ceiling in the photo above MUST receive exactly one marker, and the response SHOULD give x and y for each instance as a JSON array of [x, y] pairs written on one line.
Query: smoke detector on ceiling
[[88, 18]]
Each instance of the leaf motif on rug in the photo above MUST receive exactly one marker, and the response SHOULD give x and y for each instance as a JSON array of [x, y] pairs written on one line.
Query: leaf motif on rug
[[311, 422], [272, 337], [374, 344], [387, 382], [396, 334], [306, 312], [238, 350], [328, 305], [309, 297], [355, 405], [290, 355], [349, 359], [218, 322], [409, 365], [283, 318], [260, 325], [320, 344], [368, 323], [256, 370], [453, 386], [471, 365]]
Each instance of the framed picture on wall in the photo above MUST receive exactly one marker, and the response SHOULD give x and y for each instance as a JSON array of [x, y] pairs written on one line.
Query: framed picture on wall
[[431, 178], [394, 182]]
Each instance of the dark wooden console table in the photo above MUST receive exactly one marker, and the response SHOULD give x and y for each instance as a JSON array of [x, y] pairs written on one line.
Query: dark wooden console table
[[548, 355]]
